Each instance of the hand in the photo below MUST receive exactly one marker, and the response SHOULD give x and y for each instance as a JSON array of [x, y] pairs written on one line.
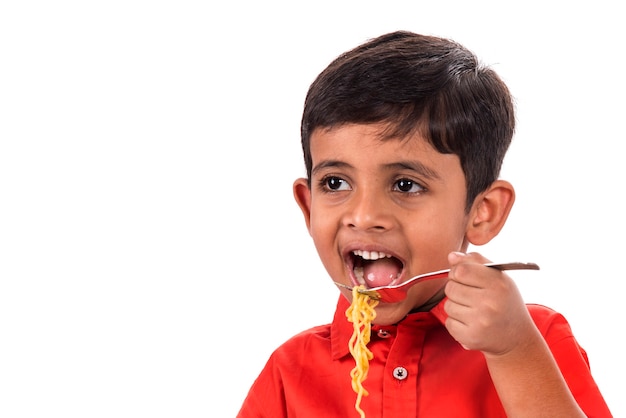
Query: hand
[[485, 309]]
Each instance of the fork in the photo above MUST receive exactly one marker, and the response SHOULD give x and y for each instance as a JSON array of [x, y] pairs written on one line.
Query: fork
[[396, 293]]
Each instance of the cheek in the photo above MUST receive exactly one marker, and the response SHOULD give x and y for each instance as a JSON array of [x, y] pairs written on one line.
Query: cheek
[[323, 231], [323, 223], [444, 229], [323, 235]]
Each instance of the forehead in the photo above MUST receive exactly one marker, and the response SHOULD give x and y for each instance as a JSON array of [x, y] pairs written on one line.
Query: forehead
[[369, 141]]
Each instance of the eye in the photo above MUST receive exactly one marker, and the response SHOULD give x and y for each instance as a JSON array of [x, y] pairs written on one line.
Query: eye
[[334, 183], [408, 186]]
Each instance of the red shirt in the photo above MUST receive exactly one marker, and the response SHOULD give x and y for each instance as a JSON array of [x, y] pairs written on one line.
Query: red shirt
[[418, 370]]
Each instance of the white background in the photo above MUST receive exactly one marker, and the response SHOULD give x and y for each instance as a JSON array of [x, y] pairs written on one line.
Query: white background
[[151, 254]]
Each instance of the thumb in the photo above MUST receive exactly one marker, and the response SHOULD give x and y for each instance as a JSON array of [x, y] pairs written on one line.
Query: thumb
[[456, 257]]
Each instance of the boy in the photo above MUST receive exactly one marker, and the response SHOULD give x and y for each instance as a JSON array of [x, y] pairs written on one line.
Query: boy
[[403, 140]]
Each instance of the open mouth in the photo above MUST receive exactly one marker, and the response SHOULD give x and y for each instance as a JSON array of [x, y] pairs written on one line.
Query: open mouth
[[375, 268]]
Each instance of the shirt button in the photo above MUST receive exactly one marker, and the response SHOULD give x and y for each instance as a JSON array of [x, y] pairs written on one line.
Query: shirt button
[[383, 333], [400, 373]]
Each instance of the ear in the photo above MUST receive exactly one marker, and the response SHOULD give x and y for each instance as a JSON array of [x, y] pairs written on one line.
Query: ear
[[489, 212], [302, 194]]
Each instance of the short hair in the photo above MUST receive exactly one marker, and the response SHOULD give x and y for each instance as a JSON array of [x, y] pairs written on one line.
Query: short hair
[[418, 83]]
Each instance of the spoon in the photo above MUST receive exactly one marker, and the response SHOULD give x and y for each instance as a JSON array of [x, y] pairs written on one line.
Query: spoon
[[396, 293]]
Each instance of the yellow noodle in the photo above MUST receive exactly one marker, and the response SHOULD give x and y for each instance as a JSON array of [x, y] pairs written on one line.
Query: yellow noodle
[[361, 313]]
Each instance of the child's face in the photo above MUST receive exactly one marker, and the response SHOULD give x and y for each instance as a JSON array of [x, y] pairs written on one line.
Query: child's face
[[398, 197]]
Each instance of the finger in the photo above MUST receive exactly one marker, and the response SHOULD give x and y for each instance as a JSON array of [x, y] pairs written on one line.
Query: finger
[[461, 333], [474, 274], [460, 293], [457, 311], [457, 257]]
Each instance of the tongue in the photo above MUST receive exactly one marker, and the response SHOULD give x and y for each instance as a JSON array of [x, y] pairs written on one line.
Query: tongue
[[380, 272]]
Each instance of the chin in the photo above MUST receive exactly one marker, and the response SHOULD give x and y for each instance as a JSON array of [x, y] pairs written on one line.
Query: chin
[[389, 314]]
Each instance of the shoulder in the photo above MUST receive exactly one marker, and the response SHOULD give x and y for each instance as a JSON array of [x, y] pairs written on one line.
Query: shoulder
[[299, 352], [543, 315], [313, 338], [538, 311], [316, 332], [552, 324], [542, 312]]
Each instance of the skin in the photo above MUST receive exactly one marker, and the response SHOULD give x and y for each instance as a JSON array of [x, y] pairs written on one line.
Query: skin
[[404, 198]]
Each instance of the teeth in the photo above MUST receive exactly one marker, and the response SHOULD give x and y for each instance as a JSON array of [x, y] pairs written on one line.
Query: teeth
[[370, 255], [358, 274], [366, 255]]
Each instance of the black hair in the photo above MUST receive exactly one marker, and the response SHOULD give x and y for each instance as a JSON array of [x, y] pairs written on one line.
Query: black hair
[[418, 83]]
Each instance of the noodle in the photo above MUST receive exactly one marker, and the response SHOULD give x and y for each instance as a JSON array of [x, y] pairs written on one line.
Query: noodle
[[361, 313]]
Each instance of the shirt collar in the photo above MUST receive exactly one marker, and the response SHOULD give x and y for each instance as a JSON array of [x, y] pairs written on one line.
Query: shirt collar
[[341, 329]]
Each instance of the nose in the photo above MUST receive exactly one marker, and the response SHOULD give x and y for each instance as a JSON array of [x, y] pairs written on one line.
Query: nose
[[368, 211]]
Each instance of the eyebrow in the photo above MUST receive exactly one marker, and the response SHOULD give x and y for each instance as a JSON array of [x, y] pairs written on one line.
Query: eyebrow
[[330, 164], [416, 166]]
